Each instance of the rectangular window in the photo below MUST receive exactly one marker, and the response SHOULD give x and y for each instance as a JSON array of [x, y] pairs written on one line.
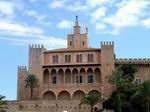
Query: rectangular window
[[83, 43], [90, 79], [81, 79]]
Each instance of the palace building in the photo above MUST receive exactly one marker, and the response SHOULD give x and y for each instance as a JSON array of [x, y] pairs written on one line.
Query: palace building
[[67, 74]]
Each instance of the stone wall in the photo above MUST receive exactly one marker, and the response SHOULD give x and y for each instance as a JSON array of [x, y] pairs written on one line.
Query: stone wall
[[48, 106]]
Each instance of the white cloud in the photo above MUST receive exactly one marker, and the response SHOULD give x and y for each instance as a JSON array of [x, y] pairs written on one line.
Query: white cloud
[[77, 6], [146, 23], [100, 26], [129, 13], [40, 18], [94, 3], [99, 13], [45, 40], [6, 7], [57, 4], [65, 24], [19, 28]]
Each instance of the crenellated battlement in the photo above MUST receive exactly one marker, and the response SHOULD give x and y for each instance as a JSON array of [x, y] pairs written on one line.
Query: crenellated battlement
[[107, 43], [132, 61], [36, 47], [22, 68]]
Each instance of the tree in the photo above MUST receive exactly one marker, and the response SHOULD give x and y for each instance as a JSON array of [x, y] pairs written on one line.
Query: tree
[[31, 82], [128, 70], [2, 103], [122, 78], [91, 99], [144, 94]]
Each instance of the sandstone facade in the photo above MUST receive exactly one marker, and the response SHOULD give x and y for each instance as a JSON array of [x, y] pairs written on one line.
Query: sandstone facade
[[67, 74]]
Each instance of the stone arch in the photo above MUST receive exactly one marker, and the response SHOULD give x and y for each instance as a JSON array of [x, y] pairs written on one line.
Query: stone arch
[[78, 95], [68, 76], [64, 95], [53, 76], [75, 75], [46, 76], [90, 76], [97, 73], [60, 76], [49, 95], [82, 75], [95, 92]]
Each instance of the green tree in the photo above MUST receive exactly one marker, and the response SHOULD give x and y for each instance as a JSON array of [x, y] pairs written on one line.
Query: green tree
[[144, 94], [2, 103], [122, 78], [91, 99], [31, 82]]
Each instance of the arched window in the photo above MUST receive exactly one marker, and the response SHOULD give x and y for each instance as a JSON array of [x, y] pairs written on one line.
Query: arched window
[[79, 58], [90, 57], [67, 58], [55, 59], [90, 76]]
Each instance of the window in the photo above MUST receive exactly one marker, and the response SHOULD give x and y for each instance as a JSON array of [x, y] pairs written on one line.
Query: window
[[79, 58], [70, 43], [79, 79], [90, 79], [67, 58], [83, 43], [90, 57], [54, 80], [55, 58], [137, 81]]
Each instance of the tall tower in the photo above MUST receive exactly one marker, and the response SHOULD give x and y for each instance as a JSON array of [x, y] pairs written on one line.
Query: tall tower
[[107, 66], [35, 65], [77, 40]]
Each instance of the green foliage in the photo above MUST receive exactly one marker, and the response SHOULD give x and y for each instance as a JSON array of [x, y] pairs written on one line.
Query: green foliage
[[2, 103], [128, 97], [31, 82], [91, 99], [128, 70]]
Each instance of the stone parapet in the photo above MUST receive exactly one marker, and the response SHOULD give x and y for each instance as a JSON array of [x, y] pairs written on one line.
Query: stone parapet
[[136, 61]]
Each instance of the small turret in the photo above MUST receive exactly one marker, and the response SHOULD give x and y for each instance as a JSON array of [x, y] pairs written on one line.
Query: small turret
[[21, 91]]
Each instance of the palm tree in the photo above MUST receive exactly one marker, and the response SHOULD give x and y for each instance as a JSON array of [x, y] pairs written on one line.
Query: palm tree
[[144, 92], [31, 82], [91, 99], [2, 103], [119, 81]]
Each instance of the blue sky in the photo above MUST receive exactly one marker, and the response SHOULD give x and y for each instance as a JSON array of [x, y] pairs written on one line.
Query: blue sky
[[24, 22]]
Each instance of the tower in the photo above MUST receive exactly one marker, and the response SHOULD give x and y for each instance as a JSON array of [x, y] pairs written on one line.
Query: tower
[[77, 40], [21, 91], [107, 66], [35, 65]]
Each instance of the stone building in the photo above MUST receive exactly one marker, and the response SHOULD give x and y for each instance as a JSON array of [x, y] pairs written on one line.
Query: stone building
[[67, 74]]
